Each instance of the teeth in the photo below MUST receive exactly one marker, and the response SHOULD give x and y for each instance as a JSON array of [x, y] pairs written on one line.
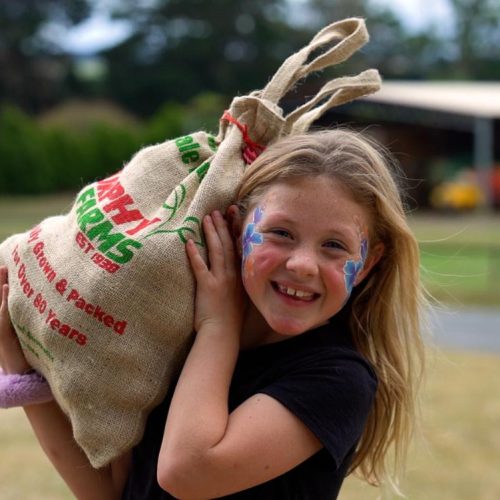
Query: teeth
[[295, 293]]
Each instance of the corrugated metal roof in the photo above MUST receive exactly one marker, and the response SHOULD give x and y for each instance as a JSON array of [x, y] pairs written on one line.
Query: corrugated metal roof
[[480, 99]]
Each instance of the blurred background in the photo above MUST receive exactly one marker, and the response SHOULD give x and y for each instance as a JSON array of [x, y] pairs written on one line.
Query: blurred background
[[87, 83]]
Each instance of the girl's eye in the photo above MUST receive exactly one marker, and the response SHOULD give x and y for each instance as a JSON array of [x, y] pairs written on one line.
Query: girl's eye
[[334, 244], [280, 232]]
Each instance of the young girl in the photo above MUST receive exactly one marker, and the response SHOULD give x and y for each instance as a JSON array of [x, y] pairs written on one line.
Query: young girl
[[304, 366]]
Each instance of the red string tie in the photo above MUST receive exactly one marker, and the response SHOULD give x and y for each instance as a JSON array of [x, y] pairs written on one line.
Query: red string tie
[[252, 149]]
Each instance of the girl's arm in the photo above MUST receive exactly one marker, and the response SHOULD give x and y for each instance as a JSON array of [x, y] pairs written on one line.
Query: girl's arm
[[54, 433], [53, 429], [207, 452]]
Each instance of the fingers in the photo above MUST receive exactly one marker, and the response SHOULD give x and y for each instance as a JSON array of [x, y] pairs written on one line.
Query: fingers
[[220, 243], [226, 240], [12, 358], [5, 324], [3, 275], [220, 246], [234, 220], [197, 263], [212, 228], [5, 294], [4, 288]]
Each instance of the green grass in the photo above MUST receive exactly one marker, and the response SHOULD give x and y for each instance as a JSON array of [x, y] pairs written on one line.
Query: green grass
[[19, 213], [472, 228], [459, 274], [460, 257], [25, 472], [457, 455], [455, 458]]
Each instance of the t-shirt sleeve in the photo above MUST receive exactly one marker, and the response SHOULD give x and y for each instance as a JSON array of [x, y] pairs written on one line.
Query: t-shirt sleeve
[[332, 395]]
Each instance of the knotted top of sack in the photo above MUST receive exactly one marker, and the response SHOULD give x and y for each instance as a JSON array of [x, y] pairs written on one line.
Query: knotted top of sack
[[258, 116], [251, 150]]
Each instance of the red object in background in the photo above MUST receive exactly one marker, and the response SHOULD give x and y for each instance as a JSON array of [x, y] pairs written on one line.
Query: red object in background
[[495, 185]]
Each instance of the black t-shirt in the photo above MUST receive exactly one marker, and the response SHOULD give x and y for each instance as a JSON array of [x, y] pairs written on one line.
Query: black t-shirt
[[320, 378]]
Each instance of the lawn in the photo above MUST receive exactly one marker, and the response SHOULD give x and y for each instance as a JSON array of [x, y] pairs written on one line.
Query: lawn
[[457, 456], [460, 257], [22, 212]]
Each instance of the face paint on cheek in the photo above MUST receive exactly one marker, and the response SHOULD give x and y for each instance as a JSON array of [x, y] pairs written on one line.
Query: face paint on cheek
[[353, 267], [251, 237]]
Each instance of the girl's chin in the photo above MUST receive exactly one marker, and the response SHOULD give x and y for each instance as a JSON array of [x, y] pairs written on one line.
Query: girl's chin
[[288, 328]]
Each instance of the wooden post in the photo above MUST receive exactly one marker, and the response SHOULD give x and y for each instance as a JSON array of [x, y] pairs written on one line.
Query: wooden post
[[484, 155]]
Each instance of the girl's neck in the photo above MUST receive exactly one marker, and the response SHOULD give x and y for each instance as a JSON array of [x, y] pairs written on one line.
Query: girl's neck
[[256, 331]]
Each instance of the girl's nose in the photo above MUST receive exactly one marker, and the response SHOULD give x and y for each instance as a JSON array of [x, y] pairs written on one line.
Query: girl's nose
[[302, 263]]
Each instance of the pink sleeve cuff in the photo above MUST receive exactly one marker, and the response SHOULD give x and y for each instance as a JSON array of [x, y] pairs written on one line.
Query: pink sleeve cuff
[[22, 390]]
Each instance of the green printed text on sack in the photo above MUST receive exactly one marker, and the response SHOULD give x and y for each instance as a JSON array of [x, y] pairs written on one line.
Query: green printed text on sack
[[94, 224]]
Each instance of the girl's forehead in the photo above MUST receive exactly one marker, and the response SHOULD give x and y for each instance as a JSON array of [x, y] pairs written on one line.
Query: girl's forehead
[[309, 192], [317, 200]]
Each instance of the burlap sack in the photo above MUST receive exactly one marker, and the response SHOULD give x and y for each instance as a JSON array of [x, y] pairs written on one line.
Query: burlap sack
[[102, 297]]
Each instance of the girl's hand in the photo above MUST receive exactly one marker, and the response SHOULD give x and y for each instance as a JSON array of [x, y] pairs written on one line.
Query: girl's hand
[[219, 293], [12, 358]]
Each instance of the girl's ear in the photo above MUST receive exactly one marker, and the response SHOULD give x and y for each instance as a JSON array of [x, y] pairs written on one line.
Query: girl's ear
[[374, 256]]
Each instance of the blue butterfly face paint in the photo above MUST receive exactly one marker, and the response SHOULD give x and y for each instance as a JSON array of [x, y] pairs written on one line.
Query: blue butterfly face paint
[[353, 267], [251, 236]]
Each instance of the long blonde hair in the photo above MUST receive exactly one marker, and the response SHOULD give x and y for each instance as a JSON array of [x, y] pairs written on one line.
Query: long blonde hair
[[386, 310]]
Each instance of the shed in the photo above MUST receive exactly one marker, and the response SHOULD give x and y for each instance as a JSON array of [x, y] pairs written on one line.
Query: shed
[[472, 106]]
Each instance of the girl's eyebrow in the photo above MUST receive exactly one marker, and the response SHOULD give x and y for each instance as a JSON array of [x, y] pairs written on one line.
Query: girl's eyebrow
[[345, 230], [273, 218]]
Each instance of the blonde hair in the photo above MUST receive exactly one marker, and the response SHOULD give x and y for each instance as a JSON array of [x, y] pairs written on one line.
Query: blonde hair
[[386, 310]]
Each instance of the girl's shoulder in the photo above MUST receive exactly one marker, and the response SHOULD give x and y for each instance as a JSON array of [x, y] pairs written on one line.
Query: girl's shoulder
[[320, 377], [323, 360], [329, 345]]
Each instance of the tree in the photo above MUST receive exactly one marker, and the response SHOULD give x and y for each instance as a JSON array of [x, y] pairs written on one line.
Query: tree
[[183, 47], [476, 40], [31, 67], [388, 38]]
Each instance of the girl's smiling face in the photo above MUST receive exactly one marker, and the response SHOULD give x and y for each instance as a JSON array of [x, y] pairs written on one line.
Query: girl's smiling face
[[304, 246]]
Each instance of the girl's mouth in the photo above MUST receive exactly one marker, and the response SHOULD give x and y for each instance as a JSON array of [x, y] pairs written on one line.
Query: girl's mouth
[[294, 293]]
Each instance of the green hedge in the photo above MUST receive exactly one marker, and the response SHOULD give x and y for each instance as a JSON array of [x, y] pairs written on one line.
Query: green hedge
[[40, 159]]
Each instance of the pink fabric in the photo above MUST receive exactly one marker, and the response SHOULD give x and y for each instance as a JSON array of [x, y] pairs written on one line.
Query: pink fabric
[[21, 390]]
